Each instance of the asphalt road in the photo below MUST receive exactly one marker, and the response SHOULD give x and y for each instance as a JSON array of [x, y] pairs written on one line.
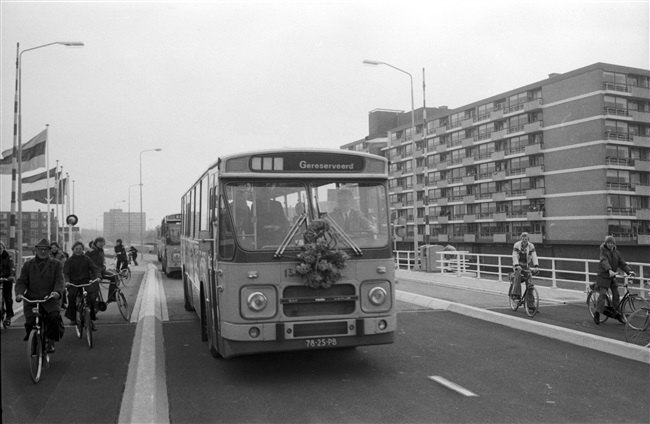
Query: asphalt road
[[513, 376]]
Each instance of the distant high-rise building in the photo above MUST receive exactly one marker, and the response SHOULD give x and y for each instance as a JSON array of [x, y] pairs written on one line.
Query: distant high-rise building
[[566, 159], [123, 225], [34, 226]]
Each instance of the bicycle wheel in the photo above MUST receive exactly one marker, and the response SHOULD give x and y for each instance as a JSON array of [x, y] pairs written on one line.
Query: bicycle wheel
[[126, 276], [632, 304], [637, 327], [514, 303], [592, 300], [532, 305], [35, 354], [88, 323], [79, 328], [122, 304]]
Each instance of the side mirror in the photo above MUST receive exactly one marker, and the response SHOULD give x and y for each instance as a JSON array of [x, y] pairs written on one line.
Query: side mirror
[[205, 242]]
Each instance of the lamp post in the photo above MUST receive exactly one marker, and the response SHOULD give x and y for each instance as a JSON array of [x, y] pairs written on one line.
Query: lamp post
[[18, 150], [142, 223], [415, 210], [132, 185]]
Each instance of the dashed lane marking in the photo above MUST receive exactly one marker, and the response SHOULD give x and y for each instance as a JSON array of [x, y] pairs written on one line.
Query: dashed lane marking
[[451, 385]]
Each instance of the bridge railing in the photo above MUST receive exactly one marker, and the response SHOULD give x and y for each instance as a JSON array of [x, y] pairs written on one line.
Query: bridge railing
[[570, 273]]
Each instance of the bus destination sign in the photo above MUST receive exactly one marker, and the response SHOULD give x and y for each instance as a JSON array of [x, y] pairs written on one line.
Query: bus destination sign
[[308, 162]]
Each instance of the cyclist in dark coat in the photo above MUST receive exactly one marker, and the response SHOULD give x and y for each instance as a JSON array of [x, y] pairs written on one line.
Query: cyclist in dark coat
[[8, 271], [97, 255], [120, 254], [40, 277], [610, 260], [80, 269]]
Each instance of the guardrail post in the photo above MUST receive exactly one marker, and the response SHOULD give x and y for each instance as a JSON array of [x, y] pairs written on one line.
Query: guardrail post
[[586, 277], [499, 269], [478, 267], [553, 274]]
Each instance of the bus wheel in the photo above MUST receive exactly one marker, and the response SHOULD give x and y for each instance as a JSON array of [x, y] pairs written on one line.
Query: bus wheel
[[204, 321], [188, 305]]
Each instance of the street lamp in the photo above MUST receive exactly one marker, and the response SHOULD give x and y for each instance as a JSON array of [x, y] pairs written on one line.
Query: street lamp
[[18, 149], [132, 185], [415, 210], [141, 215]]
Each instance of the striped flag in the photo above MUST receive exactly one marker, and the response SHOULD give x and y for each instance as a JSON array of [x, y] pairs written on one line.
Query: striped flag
[[33, 155], [37, 190]]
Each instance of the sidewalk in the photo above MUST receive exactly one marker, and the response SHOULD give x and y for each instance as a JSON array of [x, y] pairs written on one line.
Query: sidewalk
[[476, 297]]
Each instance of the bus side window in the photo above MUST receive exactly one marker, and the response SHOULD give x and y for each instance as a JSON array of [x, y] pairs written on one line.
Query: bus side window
[[226, 234]]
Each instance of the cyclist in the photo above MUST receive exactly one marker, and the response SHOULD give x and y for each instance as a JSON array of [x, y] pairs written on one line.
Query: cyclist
[[120, 254], [610, 260], [97, 255], [523, 255], [8, 271], [57, 253], [79, 269], [40, 277], [134, 255]]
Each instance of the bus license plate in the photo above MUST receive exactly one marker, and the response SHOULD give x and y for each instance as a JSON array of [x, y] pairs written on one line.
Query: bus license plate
[[322, 342]]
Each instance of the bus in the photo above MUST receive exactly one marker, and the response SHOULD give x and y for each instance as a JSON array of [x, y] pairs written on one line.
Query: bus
[[270, 264], [169, 243]]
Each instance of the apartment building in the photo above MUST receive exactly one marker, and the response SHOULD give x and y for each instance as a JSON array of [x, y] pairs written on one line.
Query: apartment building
[[566, 159], [122, 225], [34, 226]]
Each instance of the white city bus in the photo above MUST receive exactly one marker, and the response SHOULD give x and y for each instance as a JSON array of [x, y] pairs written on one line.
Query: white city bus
[[269, 263], [169, 243]]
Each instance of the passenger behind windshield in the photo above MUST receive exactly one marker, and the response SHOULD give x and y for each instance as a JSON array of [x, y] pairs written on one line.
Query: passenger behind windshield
[[349, 219], [272, 224]]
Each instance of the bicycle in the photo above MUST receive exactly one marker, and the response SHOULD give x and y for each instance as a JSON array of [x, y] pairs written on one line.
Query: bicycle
[[83, 318], [531, 306], [125, 273], [628, 304], [120, 298], [37, 343], [637, 327]]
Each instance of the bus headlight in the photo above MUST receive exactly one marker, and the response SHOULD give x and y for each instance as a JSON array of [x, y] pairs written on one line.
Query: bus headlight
[[176, 256], [257, 301], [377, 296]]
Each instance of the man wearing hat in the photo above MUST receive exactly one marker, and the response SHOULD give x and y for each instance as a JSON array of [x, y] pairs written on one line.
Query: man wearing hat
[[609, 261], [41, 277]]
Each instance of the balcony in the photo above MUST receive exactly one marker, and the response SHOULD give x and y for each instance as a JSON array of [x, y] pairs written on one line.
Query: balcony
[[533, 149], [499, 176], [442, 183], [467, 142], [620, 186], [618, 112], [616, 88], [469, 199], [499, 238], [441, 165], [643, 214], [533, 105], [468, 161], [442, 147], [499, 155], [534, 215], [642, 190], [641, 141], [637, 91], [469, 238], [641, 165], [643, 239], [534, 171], [499, 197], [535, 193], [536, 238], [469, 218], [497, 135], [533, 126], [443, 201], [501, 216], [469, 179]]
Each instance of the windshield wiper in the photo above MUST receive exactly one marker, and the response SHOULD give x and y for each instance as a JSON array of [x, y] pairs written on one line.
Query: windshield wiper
[[292, 232], [346, 238]]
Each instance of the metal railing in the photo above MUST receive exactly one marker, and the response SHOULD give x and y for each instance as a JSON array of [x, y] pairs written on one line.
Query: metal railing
[[575, 274]]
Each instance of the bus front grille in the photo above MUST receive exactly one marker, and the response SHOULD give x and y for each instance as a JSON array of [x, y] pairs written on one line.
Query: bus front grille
[[303, 301]]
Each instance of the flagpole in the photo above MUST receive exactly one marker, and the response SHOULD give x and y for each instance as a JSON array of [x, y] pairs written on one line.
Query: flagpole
[[14, 165], [47, 176], [56, 184]]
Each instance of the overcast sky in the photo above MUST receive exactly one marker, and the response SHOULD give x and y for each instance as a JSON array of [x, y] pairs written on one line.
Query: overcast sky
[[205, 79]]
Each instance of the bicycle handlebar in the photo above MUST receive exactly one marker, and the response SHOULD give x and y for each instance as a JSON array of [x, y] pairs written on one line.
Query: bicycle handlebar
[[35, 301], [97, 280]]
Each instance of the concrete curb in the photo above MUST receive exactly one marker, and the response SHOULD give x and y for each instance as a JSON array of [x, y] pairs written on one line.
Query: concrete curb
[[590, 341], [145, 395]]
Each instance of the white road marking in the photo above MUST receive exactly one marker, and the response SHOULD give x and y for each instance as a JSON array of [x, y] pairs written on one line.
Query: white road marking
[[451, 385]]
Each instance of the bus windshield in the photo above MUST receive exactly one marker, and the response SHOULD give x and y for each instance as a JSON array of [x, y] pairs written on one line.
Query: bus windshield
[[263, 214], [174, 233]]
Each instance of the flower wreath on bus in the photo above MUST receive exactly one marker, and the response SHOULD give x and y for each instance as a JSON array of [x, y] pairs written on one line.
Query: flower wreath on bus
[[321, 263]]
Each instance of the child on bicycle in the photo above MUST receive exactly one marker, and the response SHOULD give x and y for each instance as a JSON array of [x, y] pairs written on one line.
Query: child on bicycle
[[610, 260], [80, 269], [523, 255]]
